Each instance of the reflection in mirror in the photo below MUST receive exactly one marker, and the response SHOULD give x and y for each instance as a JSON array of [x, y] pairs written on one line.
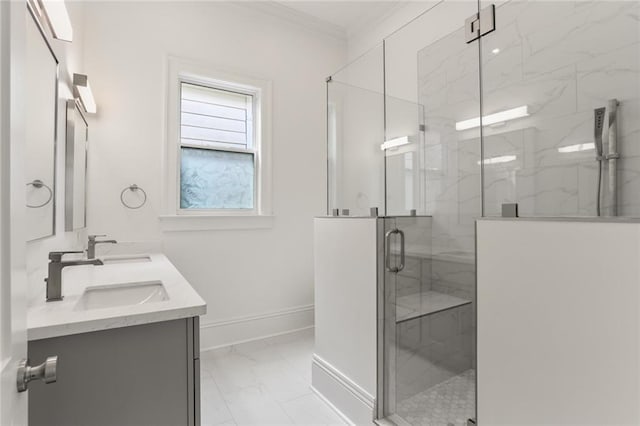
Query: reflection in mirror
[[40, 135], [75, 168]]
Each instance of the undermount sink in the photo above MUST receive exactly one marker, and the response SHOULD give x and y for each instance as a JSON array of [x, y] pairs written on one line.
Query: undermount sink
[[126, 259], [126, 294]]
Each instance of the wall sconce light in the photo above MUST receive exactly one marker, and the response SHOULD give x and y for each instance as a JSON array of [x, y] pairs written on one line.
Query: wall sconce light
[[81, 84], [58, 19], [498, 117]]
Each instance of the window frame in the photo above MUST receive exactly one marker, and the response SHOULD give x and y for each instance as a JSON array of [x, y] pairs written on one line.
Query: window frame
[[254, 92], [183, 71]]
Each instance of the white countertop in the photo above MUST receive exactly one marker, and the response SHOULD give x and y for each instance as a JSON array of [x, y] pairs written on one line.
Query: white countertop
[[60, 318]]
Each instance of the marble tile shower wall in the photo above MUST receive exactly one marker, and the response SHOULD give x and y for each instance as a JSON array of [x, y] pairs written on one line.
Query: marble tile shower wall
[[562, 59]]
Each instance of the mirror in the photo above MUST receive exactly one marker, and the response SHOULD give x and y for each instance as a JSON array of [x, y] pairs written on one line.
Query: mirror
[[41, 73], [75, 168]]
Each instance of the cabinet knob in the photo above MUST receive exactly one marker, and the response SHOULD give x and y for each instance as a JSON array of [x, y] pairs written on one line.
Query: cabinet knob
[[47, 372]]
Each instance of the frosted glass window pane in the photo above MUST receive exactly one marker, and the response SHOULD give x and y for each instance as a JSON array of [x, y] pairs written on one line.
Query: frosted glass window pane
[[212, 179]]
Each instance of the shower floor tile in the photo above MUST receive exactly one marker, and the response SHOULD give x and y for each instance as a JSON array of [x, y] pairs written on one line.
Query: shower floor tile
[[449, 403]]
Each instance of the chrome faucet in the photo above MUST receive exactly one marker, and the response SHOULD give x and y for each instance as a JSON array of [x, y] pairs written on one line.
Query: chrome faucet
[[91, 246], [54, 280]]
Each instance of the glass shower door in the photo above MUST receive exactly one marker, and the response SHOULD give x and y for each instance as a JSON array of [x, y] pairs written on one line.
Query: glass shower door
[[428, 370], [432, 84]]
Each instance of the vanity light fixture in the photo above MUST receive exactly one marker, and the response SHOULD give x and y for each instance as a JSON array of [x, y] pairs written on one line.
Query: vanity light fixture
[[498, 160], [81, 84], [394, 143], [577, 147], [58, 19], [498, 117]]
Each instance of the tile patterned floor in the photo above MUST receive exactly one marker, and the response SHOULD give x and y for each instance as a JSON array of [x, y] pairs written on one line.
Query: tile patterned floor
[[449, 403], [266, 382]]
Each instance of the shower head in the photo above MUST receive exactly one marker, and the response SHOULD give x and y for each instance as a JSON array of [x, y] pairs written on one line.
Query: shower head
[[598, 129]]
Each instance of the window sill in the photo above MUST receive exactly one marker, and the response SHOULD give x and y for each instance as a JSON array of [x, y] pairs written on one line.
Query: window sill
[[179, 223]]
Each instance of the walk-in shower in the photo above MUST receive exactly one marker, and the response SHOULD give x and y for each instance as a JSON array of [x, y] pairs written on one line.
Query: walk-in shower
[[435, 132]]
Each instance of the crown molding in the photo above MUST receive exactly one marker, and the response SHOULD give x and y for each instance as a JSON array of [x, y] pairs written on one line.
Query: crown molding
[[366, 22], [297, 18]]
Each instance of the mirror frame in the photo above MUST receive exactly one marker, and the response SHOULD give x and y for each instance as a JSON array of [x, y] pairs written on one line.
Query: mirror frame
[[54, 184], [73, 106]]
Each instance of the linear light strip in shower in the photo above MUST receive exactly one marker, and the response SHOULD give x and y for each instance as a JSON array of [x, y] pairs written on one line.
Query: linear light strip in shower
[[394, 143], [498, 160], [498, 117], [577, 147]]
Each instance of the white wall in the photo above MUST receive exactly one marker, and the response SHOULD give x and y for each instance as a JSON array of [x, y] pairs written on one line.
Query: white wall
[[366, 39], [242, 274], [70, 56]]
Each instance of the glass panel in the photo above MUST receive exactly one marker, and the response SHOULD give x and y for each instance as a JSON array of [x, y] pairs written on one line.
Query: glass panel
[[405, 157], [432, 82], [216, 179], [355, 129], [562, 60]]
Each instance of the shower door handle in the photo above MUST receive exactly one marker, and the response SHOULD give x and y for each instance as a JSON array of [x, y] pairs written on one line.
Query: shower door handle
[[387, 250], [387, 255], [400, 267]]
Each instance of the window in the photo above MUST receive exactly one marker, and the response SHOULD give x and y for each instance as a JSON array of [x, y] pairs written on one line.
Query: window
[[217, 148], [217, 158]]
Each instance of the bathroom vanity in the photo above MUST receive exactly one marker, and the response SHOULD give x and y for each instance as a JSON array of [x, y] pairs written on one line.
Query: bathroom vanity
[[127, 339]]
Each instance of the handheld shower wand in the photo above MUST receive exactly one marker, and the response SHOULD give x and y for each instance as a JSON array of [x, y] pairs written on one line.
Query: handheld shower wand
[[598, 131], [612, 157]]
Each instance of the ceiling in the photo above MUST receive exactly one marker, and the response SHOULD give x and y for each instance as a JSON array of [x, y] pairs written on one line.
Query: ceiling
[[348, 16]]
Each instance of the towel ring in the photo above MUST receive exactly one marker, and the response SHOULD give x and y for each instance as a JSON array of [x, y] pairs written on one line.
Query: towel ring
[[37, 183], [133, 188]]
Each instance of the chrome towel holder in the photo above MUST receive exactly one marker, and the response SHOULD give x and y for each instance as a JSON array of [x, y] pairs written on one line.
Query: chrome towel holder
[[133, 188], [37, 183]]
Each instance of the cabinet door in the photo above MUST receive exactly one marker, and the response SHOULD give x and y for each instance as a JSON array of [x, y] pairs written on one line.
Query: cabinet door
[[139, 375]]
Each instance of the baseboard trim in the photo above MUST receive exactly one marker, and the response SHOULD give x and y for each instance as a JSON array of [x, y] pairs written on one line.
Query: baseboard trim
[[340, 414], [255, 339], [233, 331], [354, 404]]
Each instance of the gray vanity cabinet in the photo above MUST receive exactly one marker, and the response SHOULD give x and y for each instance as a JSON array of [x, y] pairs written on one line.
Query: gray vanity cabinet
[[138, 375]]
